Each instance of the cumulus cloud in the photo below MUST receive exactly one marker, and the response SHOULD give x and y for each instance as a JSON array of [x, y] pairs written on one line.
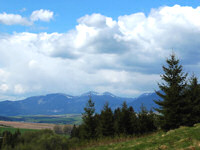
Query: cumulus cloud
[[12, 19], [16, 19], [96, 20], [43, 15], [123, 56]]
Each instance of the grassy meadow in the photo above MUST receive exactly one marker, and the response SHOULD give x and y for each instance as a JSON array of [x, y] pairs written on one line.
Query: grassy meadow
[[184, 138]]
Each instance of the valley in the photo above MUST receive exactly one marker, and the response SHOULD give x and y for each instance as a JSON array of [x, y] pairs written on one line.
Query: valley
[[50, 119]]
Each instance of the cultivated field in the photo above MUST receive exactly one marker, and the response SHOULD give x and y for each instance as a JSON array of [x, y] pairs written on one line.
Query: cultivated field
[[54, 119], [25, 125]]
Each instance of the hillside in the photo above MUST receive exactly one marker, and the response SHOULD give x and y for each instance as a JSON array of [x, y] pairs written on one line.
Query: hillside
[[58, 103], [184, 138]]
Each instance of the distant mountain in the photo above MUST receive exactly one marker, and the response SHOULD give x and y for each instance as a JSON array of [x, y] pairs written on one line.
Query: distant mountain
[[59, 103], [147, 99]]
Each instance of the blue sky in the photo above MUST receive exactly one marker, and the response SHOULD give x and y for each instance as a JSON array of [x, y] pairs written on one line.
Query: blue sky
[[67, 12], [76, 46]]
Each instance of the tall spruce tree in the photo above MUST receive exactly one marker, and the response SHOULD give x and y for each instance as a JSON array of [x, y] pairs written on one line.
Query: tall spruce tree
[[107, 121], [192, 106], [134, 124], [89, 122], [143, 120], [125, 120], [172, 94], [117, 118]]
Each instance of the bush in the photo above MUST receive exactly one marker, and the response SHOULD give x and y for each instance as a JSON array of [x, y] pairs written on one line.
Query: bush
[[58, 129]]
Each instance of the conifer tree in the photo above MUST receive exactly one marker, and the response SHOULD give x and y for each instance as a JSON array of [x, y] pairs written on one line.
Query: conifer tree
[[117, 118], [172, 94], [192, 103], [133, 126], [74, 132], [146, 120], [107, 121], [89, 122], [143, 120], [125, 119], [152, 121], [98, 130]]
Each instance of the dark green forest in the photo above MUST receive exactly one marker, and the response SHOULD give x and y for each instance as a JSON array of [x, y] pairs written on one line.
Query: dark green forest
[[179, 105]]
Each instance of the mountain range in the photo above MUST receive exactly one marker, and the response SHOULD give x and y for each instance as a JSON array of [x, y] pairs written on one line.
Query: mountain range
[[59, 103]]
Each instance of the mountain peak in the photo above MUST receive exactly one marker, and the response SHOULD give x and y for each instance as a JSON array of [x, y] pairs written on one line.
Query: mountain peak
[[60, 94], [93, 93], [109, 94], [146, 94], [90, 93]]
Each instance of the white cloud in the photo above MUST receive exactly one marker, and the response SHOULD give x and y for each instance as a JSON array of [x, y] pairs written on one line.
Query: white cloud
[[12, 19], [43, 15], [96, 20], [16, 19], [122, 56]]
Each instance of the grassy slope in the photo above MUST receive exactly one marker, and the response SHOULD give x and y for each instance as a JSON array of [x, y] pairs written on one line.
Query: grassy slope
[[184, 138]]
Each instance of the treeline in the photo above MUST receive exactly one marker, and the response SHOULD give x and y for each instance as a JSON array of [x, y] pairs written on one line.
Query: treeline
[[123, 121], [33, 140]]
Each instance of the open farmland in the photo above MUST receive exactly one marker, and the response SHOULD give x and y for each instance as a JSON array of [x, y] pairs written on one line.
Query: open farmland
[[47, 119], [25, 125]]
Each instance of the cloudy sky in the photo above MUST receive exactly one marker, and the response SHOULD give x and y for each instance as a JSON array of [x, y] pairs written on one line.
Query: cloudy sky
[[77, 46]]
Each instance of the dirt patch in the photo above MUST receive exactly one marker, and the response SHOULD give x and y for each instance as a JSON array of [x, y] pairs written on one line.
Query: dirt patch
[[163, 147]]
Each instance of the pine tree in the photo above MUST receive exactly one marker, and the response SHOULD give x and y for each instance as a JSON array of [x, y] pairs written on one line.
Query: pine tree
[[125, 120], [74, 132], [143, 120], [192, 105], [172, 94], [117, 118], [152, 120], [107, 121], [146, 120], [89, 122], [133, 126]]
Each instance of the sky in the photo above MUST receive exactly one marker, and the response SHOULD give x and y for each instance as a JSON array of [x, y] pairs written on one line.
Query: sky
[[77, 46]]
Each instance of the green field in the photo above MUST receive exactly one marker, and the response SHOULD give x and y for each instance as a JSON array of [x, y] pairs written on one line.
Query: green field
[[54, 119], [184, 138], [12, 130]]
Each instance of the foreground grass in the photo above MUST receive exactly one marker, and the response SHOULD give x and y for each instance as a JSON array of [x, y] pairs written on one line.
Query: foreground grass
[[184, 138]]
